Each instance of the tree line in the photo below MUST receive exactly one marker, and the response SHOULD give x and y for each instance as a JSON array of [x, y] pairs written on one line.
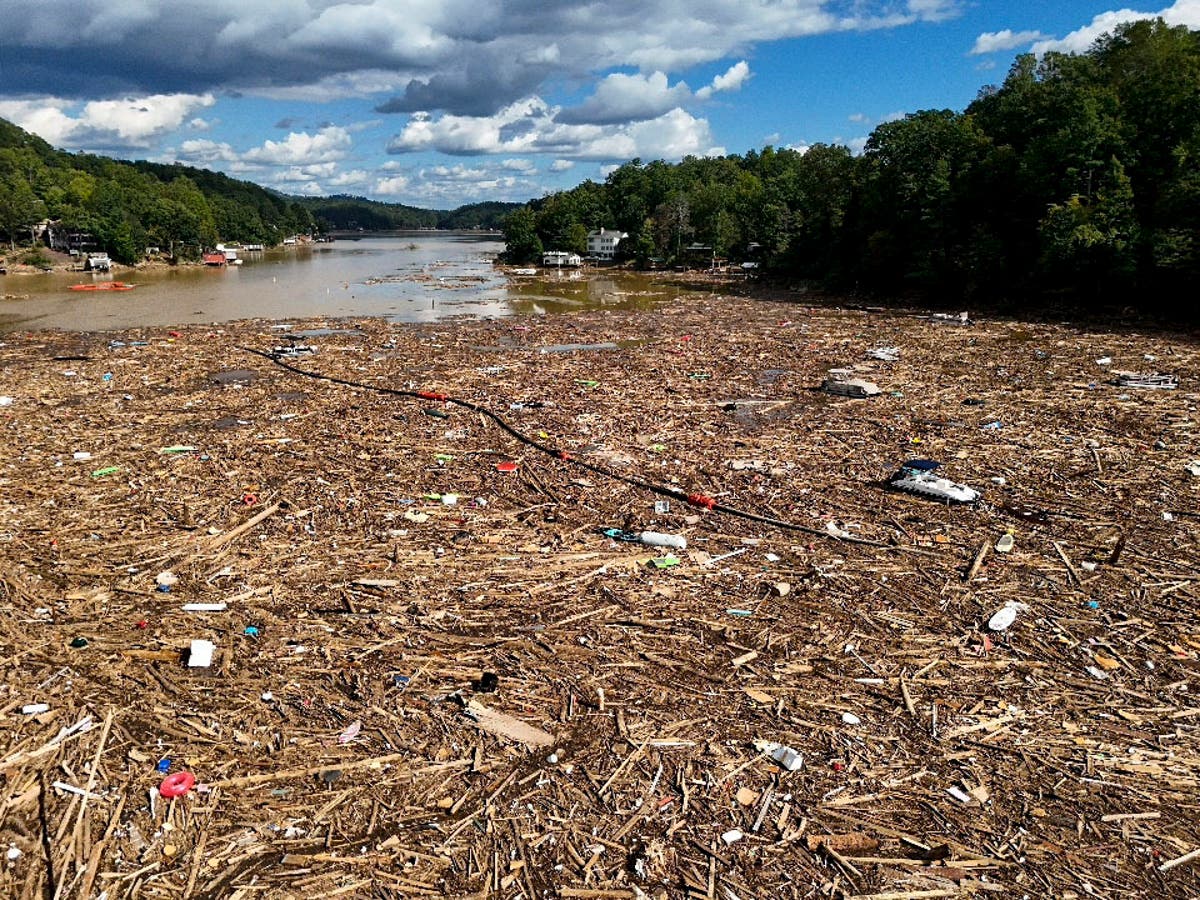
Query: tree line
[[1074, 180], [125, 207], [346, 213]]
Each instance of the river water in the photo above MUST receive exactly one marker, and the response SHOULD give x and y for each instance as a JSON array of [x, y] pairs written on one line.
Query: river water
[[409, 277]]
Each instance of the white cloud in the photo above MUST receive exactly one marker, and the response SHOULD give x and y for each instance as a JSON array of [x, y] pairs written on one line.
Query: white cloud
[[531, 126], [307, 189], [307, 173], [396, 184], [206, 152], [519, 165], [349, 179], [454, 173], [301, 148], [857, 117], [628, 98], [1182, 12], [561, 165], [732, 80], [133, 122], [995, 41]]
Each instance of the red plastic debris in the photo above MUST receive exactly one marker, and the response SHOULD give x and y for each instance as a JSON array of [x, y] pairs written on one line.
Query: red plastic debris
[[142, 625], [432, 395], [250, 499], [701, 501], [506, 466], [174, 334], [177, 785]]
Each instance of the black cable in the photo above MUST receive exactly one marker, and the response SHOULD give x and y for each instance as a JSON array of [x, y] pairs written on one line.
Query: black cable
[[562, 455]]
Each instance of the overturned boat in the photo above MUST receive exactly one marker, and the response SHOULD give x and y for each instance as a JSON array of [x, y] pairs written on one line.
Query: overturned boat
[[843, 383], [886, 354], [1149, 382], [916, 477]]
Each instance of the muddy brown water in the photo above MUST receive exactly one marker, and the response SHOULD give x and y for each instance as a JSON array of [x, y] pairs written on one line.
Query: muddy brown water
[[417, 277]]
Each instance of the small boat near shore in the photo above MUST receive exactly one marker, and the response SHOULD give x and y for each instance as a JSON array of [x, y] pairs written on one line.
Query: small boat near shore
[[104, 286]]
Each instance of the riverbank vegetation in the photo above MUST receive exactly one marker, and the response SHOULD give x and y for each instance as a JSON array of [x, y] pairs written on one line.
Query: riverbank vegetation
[[1076, 180]]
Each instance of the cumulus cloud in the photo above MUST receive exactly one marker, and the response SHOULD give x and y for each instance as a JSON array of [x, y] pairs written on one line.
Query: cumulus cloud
[[532, 126], [561, 165], [301, 148], [206, 152], [627, 98], [349, 179], [995, 41], [732, 80], [456, 56], [1182, 12], [392, 185], [132, 122], [519, 165]]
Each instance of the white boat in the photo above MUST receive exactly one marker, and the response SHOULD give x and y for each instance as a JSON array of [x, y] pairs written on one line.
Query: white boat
[[293, 350], [842, 383], [916, 477]]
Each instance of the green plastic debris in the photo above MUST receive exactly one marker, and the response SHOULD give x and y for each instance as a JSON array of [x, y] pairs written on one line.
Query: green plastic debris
[[664, 562], [444, 458], [178, 448], [657, 448], [436, 413], [107, 470], [699, 376], [587, 382]]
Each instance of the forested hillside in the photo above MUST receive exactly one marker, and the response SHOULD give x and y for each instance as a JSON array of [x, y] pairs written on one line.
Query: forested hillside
[[126, 207], [1077, 178], [345, 213]]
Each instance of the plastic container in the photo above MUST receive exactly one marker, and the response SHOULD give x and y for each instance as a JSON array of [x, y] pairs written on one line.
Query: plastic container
[[658, 539]]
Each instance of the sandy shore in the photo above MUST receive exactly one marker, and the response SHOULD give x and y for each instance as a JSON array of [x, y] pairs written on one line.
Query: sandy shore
[[436, 676]]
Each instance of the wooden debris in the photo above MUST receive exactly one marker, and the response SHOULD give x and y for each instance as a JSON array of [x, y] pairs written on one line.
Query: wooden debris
[[491, 698]]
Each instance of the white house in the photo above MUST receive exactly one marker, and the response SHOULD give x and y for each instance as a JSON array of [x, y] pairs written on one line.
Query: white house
[[603, 243], [561, 258]]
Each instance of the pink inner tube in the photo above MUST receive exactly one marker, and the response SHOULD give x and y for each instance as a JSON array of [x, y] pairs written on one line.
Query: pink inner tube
[[177, 785]]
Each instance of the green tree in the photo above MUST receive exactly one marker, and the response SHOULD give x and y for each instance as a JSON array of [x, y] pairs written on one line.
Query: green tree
[[521, 241], [20, 209]]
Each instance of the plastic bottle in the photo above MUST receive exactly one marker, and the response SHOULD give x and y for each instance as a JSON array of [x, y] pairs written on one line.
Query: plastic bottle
[[657, 539]]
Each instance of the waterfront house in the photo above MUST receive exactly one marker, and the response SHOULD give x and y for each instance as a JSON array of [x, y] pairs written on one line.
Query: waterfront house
[[602, 243]]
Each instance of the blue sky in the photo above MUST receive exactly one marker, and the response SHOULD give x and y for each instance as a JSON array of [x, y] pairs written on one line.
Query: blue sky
[[436, 103]]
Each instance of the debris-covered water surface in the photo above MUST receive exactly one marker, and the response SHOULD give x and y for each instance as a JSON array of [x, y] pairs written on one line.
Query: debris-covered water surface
[[269, 635]]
